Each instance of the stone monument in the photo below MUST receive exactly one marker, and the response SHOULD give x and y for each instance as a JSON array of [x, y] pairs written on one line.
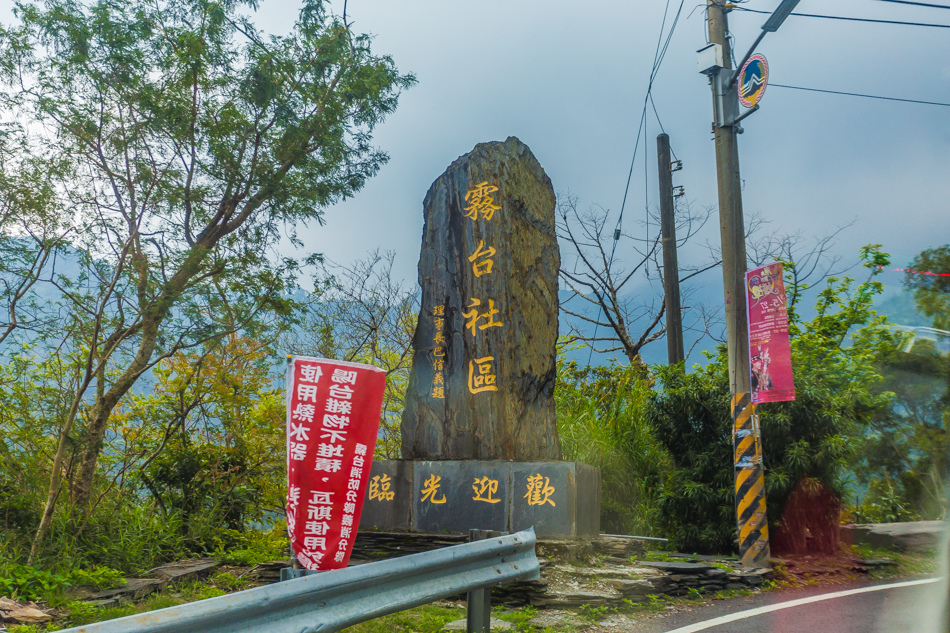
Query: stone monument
[[483, 371], [479, 435]]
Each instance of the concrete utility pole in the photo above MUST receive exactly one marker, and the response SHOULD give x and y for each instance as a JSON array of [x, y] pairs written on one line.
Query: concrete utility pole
[[671, 280], [752, 521]]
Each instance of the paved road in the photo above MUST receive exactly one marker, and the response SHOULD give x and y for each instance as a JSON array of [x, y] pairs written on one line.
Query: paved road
[[883, 608]]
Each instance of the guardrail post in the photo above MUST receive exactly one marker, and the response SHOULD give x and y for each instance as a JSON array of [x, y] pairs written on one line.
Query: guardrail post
[[479, 601]]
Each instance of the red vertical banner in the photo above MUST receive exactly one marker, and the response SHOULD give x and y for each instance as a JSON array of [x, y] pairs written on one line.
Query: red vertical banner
[[770, 352], [333, 410]]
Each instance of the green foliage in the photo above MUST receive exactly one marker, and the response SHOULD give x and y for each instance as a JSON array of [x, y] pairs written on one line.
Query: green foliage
[[425, 619], [99, 578], [125, 532], [932, 291], [253, 546], [32, 583], [904, 460], [164, 151], [592, 614], [601, 421], [194, 463], [691, 420], [904, 463], [813, 437], [886, 503]]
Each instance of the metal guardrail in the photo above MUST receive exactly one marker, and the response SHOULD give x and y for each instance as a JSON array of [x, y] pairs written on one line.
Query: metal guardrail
[[334, 600]]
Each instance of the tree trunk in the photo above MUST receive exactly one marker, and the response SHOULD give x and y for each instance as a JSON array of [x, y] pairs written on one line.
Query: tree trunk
[[55, 479], [106, 400], [102, 410]]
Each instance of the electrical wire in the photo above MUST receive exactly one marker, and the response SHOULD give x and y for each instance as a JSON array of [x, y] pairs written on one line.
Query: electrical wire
[[857, 94], [918, 4], [849, 19], [658, 56]]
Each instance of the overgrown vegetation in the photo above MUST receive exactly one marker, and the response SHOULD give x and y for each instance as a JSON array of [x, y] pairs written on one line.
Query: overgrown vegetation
[[812, 439], [601, 415], [146, 182]]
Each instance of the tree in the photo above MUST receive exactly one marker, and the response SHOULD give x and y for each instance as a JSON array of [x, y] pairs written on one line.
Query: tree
[[810, 261], [904, 461], [601, 419], [811, 440], [360, 313], [207, 442], [183, 142], [929, 278], [601, 311]]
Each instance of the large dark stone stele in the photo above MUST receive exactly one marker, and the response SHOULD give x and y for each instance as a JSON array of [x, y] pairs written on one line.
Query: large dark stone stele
[[516, 422]]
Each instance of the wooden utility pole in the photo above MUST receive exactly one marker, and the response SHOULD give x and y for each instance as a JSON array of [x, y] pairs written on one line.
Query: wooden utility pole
[[671, 280], [752, 521]]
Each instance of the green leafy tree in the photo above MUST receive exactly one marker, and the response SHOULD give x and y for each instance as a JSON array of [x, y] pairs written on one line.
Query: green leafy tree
[[359, 313], [186, 145], [904, 462], [811, 439], [930, 281], [208, 442]]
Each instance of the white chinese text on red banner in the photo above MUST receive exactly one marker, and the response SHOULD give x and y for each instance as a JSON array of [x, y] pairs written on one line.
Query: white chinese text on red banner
[[333, 410]]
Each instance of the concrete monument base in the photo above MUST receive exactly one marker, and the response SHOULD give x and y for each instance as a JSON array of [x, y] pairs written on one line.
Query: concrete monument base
[[557, 498]]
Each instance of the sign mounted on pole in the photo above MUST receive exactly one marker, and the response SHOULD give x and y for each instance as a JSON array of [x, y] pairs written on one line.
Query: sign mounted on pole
[[753, 78], [769, 347], [333, 410]]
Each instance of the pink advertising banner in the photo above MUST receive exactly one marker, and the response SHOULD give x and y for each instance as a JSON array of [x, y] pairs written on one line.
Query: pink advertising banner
[[769, 349], [333, 410]]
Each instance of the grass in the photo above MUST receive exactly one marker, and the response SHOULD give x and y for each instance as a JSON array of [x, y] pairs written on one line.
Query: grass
[[905, 563], [664, 557], [429, 618], [519, 617], [425, 619], [79, 612]]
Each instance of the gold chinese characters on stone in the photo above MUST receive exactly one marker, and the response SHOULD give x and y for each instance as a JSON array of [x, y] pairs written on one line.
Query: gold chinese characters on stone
[[481, 259], [480, 203], [379, 488], [474, 316], [539, 490], [481, 376], [485, 489], [430, 489], [438, 362]]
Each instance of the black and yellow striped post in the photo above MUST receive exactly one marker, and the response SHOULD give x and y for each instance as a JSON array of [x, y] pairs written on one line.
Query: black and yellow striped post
[[750, 478], [753, 522]]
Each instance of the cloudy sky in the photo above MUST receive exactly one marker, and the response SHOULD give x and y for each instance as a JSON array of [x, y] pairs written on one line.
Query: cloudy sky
[[569, 79]]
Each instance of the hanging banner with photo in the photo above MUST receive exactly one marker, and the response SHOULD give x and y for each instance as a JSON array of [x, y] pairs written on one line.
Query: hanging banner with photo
[[333, 410], [770, 353]]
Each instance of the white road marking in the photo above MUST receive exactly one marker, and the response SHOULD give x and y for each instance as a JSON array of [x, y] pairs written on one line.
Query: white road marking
[[751, 613]]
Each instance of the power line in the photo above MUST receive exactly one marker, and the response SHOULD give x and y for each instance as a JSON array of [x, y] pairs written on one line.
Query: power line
[[849, 19], [857, 94], [918, 4], [658, 56]]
